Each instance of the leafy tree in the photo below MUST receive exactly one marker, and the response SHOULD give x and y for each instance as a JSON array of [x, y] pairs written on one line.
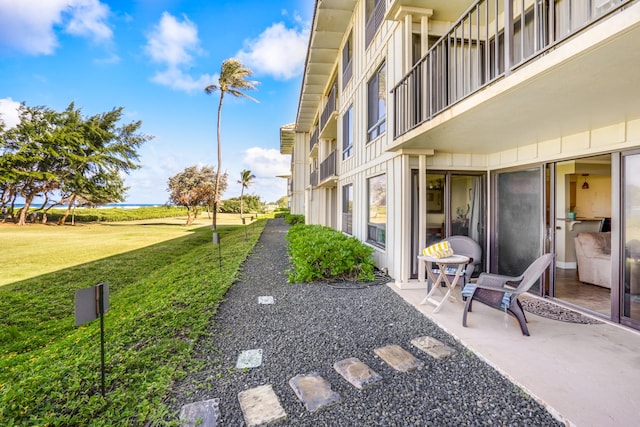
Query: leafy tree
[[246, 178], [193, 188], [63, 156], [32, 155], [232, 80], [99, 158], [282, 202]]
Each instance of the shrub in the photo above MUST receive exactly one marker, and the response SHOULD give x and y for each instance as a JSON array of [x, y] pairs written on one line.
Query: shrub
[[319, 253], [293, 219]]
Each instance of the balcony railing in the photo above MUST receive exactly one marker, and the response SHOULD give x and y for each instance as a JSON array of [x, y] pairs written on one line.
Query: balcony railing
[[329, 108], [328, 167], [313, 178], [491, 39], [374, 22], [314, 139]]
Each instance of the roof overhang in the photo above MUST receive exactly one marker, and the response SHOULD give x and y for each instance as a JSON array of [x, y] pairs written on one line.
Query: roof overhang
[[287, 138], [331, 20]]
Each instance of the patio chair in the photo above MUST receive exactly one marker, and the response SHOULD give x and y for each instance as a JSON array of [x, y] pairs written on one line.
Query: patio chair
[[501, 292], [463, 245]]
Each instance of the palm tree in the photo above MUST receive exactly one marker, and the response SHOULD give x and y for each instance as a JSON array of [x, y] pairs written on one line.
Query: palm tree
[[233, 80], [245, 180]]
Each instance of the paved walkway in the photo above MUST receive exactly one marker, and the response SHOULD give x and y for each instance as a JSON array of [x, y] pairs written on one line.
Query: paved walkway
[[586, 374]]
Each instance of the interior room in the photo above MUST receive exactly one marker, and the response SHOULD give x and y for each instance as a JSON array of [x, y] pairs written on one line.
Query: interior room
[[583, 238]]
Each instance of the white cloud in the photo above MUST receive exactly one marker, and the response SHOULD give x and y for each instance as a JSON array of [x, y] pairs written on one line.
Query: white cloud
[[178, 80], [9, 112], [266, 165], [278, 51], [88, 20], [28, 26], [173, 43]]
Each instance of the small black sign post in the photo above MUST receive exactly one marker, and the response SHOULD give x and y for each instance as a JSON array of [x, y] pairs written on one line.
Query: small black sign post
[[91, 303], [216, 241]]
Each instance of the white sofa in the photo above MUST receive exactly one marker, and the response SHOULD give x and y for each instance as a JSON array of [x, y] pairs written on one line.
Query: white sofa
[[593, 253]]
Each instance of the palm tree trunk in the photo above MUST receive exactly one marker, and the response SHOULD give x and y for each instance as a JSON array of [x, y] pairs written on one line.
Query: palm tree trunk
[[241, 200], [216, 196]]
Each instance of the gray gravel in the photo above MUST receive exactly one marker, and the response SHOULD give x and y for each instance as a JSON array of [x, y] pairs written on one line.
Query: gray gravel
[[311, 326]]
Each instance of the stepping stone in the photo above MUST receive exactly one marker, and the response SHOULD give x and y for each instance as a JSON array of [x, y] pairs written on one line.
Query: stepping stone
[[314, 391], [356, 372], [260, 406], [249, 359], [265, 300], [433, 347], [203, 414], [398, 358]]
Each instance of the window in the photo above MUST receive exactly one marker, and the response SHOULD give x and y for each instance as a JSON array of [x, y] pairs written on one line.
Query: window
[[347, 133], [377, 103], [377, 221], [347, 209], [347, 56]]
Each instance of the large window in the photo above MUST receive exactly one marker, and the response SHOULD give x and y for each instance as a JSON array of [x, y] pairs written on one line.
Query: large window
[[377, 221], [377, 103], [347, 133], [347, 209]]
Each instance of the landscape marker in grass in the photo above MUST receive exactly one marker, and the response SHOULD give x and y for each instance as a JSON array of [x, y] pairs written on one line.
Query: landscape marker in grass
[[91, 303]]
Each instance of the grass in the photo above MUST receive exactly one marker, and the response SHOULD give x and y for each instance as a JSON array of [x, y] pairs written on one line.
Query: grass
[[163, 296], [37, 249]]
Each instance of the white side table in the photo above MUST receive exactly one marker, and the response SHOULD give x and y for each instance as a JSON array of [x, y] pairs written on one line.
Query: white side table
[[458, 260]]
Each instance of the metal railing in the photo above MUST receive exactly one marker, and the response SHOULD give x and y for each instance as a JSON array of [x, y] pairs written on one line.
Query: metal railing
[[329, 108], [328, 166], [314, 139], [374, 22], [313, 178], [490, 40]]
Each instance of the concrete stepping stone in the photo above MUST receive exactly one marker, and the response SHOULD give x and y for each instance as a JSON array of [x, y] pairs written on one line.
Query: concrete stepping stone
[[265, 300], [357, 373], [433, 347], [202, 414], [249, 359], [260, 406], [398, 358], [314, 391]]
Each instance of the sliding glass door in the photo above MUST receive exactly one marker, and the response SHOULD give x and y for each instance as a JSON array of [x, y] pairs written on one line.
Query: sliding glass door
[[630, 313], [518, 221]]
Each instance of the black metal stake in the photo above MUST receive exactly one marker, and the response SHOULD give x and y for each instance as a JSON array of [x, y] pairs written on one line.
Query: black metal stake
[[100, 290]]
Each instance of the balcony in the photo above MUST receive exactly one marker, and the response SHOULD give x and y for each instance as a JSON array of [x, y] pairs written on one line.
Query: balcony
[[328, 118], [328, 176], [313, 144], [313, 178], [537, 64], [374, 21]]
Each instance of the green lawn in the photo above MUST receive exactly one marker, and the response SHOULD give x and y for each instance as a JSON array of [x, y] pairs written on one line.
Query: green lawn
[[165, 284], [36, 249]]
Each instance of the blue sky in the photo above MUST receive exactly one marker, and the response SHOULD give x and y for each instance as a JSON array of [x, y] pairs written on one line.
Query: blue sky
[[154, 58]]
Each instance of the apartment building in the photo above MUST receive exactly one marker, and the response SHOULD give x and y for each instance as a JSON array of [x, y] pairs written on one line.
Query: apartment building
[[513, 122]]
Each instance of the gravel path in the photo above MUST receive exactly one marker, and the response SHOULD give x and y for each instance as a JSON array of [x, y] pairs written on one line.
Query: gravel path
[[312, 326]]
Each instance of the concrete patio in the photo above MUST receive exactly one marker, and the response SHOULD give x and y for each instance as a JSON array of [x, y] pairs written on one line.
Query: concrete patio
[[584, 374]]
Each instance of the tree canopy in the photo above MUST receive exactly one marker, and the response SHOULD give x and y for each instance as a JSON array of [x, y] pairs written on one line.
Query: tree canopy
[[64, 157], [195, 187]]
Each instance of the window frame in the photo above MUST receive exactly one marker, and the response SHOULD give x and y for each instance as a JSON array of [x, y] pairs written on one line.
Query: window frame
[[347, 209], [376, 231], [347, 133], [374, 110]]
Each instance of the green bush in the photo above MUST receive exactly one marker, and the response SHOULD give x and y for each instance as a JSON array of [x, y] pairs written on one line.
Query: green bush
[[320, 253], [293, 219]]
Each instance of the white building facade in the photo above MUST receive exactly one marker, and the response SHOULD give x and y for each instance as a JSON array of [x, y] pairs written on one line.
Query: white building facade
[[514, 122]]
